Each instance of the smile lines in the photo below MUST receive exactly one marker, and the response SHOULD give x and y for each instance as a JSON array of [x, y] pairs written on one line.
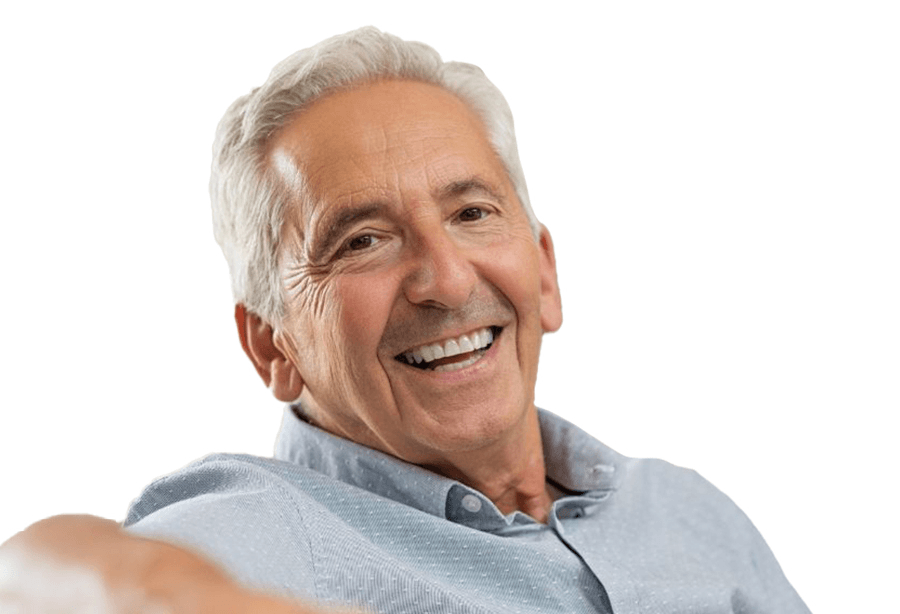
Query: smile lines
[[470, 342]]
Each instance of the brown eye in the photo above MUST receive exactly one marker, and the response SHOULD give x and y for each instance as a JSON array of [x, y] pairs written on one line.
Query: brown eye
[[360, 242], [472, 214]]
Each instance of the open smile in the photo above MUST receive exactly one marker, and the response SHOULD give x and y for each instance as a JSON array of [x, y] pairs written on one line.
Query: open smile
[[451, 354]]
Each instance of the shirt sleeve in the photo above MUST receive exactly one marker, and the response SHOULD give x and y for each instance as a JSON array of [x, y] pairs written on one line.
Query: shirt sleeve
[[762, 585], [238, 516]]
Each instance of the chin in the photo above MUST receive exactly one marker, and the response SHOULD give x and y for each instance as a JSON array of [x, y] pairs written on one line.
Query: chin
[[467, 430]]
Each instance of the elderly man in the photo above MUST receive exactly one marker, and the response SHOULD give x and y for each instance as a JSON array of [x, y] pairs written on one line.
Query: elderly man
[[392, 286]]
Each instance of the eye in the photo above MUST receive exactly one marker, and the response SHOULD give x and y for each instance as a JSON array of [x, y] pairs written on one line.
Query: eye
[[472, 214], [360, 242], [357, 244]]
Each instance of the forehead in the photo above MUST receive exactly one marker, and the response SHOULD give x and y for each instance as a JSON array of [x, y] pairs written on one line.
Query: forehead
[[384, 137]]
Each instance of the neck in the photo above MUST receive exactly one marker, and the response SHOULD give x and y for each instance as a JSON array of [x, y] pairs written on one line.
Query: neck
[[511, 472]]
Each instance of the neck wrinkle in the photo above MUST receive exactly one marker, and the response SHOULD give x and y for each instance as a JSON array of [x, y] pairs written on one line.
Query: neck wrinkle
[[512, 473]]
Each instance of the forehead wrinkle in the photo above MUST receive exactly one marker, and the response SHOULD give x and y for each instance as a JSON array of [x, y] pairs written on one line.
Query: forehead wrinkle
[[474, 184], [311, 204], [422, 144], [454, 177]]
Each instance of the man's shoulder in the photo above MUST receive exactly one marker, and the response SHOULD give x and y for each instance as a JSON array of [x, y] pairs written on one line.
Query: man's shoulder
[[215, 474], [667, 494], [230, 508], [569, 448], [650, 476], [647, 494]]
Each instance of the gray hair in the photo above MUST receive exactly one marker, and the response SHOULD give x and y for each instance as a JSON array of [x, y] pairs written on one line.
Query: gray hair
[[249, 201]]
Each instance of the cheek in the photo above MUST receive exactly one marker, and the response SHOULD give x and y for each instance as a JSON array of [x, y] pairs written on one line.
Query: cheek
[[317, 310], [366, 303], [513, 269], [515, 272]]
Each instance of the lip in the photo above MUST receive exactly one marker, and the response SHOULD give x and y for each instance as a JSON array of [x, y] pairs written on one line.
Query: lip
[[447, 336], [487, 360], [444, 339]]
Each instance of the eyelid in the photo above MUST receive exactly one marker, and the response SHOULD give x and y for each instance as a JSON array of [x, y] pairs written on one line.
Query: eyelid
[[344, 246], [485, 208]]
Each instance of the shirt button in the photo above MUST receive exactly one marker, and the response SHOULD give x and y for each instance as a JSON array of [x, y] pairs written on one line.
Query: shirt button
[[471, 503], [603, 469]]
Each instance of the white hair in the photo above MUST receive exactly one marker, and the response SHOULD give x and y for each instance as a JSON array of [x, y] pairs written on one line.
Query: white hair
[[249, 202]]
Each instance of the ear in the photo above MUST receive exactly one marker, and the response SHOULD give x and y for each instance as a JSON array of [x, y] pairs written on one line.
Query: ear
[[276, 370], [551, 301]]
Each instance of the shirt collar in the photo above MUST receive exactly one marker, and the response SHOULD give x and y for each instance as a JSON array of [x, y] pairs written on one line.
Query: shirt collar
[[302, 443], [575, 461]]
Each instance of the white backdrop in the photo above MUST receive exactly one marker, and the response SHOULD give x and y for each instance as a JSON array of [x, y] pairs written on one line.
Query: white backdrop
[[722, 185]]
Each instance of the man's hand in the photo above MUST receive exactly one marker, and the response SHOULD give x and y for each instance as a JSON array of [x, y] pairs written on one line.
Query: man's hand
[[84, 564]]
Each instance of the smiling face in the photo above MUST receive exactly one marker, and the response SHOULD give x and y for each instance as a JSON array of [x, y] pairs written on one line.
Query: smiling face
[[416, 294]]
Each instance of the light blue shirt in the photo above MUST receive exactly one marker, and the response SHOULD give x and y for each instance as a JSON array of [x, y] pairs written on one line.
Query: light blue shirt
[[334, 522]]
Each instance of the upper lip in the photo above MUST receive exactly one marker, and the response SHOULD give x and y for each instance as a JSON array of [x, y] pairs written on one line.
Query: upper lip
[[444, 338]]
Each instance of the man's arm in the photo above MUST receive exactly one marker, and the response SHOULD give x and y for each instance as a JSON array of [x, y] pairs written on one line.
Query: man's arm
[[88, 564]]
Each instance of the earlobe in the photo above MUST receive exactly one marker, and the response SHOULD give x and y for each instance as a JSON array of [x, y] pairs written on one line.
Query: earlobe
[[274, 368], [551, 301]]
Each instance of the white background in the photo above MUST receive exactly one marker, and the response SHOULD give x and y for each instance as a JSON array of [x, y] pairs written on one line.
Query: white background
[[722, 185]]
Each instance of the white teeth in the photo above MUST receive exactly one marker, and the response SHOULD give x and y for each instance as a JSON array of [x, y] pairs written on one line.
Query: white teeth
[[452, 348], [427, 353], [464, 343]]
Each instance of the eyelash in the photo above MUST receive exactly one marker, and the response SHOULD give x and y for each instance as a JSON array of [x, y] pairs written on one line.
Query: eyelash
[[483, 213], [347, 247], [350, 242]]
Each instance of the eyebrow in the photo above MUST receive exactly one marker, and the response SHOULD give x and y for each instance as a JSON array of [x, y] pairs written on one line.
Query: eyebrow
[[462, 187], [335, 225]]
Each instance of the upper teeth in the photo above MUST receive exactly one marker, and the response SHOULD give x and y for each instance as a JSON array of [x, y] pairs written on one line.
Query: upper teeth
[[451, 347]]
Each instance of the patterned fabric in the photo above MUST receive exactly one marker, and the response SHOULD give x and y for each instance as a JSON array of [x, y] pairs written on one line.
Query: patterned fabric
[[330, 521]]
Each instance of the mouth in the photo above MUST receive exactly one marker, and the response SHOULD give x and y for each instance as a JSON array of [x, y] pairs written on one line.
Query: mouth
[[451, 354]]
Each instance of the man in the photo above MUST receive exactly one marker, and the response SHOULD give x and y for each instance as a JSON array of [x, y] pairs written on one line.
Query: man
[[392, 285]]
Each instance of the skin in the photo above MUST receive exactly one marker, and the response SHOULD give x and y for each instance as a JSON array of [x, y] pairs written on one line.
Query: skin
[[443, 248], [54, 562]]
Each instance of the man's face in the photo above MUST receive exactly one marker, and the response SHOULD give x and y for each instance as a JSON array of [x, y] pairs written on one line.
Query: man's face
[[415, 240]]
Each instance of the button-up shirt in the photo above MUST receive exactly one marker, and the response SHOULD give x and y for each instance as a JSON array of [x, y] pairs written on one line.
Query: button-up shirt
[[331, 521]]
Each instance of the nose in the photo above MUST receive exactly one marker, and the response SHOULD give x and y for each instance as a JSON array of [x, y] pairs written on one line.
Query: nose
[[440, 274]]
